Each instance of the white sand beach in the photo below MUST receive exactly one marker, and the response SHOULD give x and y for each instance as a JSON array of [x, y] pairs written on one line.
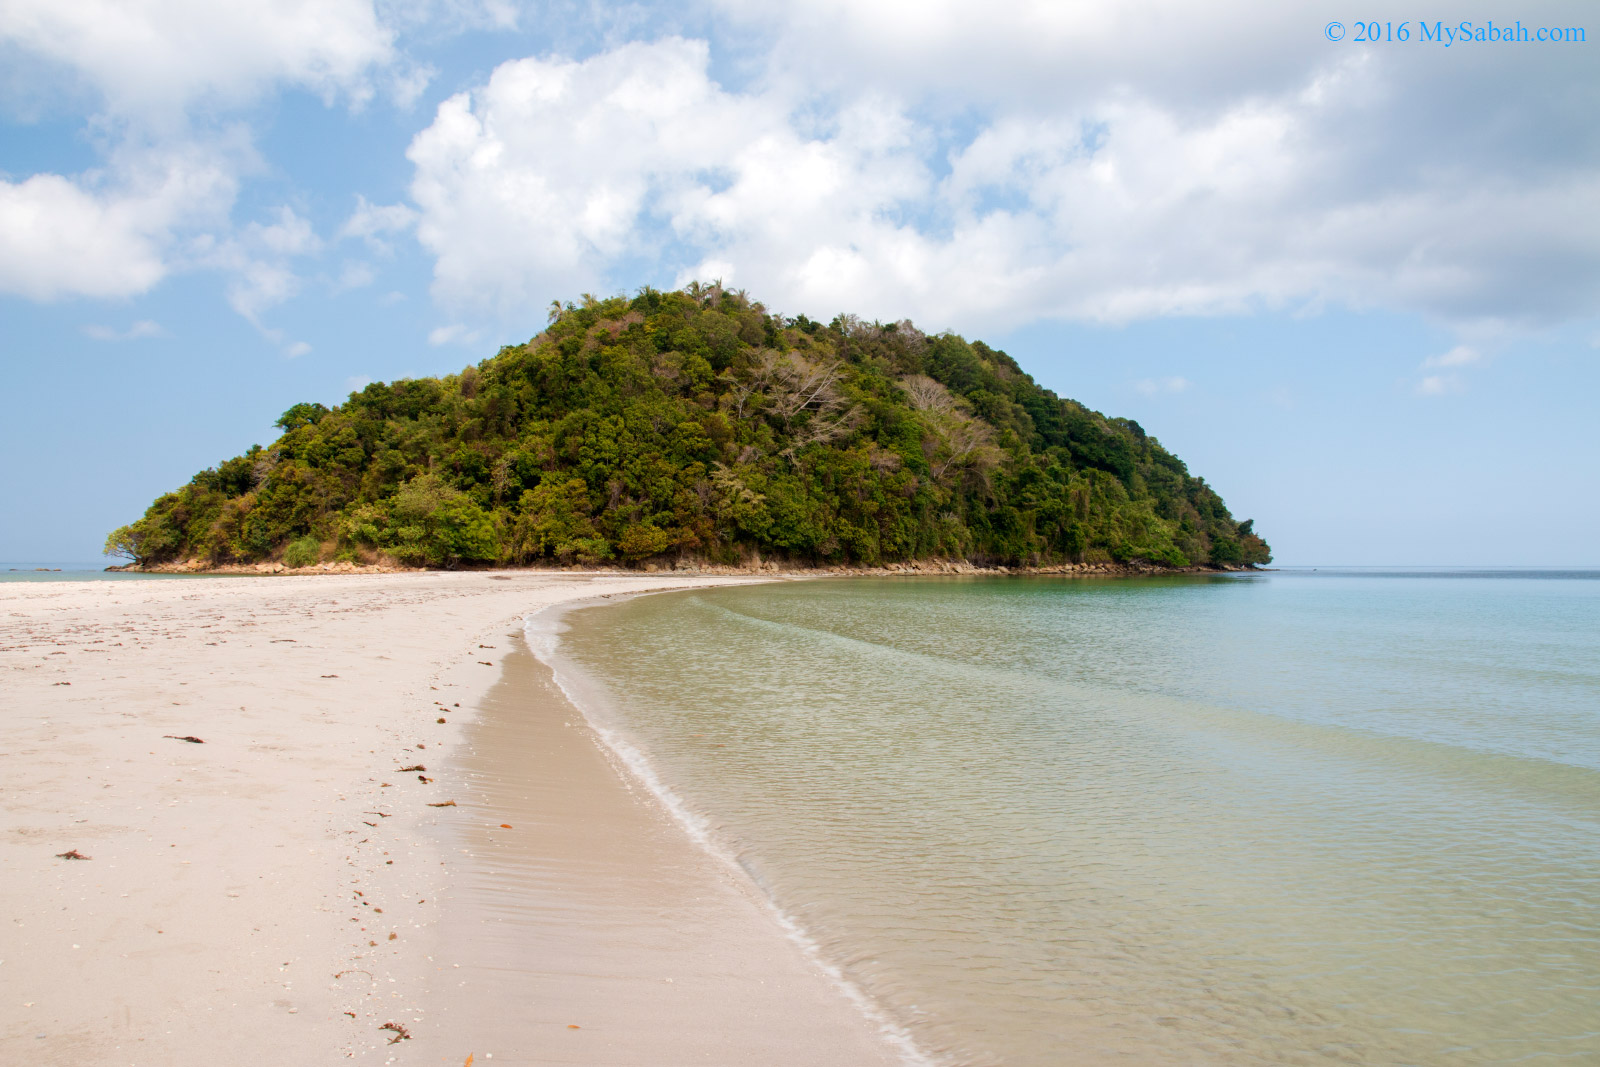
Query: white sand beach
[[297, 880]]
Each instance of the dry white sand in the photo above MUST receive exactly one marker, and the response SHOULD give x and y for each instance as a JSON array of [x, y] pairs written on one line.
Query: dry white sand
[[279, 892]]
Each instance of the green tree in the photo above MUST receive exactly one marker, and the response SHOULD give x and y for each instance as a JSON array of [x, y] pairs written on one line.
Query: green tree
[[300, 415], [435, 524]]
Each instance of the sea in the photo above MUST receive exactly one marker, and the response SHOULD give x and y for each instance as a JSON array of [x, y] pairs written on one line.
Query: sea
[[1301, 816], [77, 571]]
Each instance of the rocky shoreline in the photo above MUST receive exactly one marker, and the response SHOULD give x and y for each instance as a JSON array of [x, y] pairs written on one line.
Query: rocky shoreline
[[690, 566]]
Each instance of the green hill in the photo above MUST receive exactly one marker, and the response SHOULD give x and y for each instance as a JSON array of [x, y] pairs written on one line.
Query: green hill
[[697, 423]]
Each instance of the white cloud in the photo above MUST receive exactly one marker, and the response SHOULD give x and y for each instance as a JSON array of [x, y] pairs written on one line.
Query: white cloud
[[540, 178], [290, 235], [102, 236], [259, 285], [164, 73], [355, 275], [156, 58], [142, 329], [57, 238], [451, 16], [297, 349], [1439, 385], [374, 222], [1113, 200], [1459, 356], [259, 260], [454, 334], [1156, 386], [1446, 365], [408, 82]]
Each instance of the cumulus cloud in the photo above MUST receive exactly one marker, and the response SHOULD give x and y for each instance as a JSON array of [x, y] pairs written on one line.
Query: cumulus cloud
[[59, 238], [163, 73], [976, 166], [156, 58], [102, 236], [1105, 198]]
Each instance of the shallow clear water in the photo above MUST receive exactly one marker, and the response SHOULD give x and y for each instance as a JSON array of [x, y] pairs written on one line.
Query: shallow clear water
[[72, 572], [1272, 819]]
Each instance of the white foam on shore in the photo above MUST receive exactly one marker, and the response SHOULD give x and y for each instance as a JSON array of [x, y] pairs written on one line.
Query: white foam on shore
[[543, 631]]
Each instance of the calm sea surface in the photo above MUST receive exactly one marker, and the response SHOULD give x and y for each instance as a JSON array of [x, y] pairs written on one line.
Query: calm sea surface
[[72, 572], [1286, 818]]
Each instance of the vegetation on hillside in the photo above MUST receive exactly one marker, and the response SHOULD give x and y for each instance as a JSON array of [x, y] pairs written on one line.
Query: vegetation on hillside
[[697, 423]]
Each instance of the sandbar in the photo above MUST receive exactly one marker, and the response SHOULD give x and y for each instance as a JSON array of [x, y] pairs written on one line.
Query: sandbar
[[328, 872]]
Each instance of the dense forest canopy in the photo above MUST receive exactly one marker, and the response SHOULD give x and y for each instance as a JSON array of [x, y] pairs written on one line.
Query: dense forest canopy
[[698, 424]]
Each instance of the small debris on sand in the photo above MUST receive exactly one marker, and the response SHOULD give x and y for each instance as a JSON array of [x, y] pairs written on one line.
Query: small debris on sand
[[193, 740], [400, 1032], [443, 804], [73, 854], [413, 767]]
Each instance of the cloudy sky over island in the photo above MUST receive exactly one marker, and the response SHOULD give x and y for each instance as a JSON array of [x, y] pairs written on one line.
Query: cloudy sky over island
[[1355, 285]]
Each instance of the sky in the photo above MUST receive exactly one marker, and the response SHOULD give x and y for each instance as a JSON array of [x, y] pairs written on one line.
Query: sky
[[1353, 283]]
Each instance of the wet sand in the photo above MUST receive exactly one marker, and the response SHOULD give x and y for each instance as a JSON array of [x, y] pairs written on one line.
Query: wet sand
[[590, 929], [286, 888]]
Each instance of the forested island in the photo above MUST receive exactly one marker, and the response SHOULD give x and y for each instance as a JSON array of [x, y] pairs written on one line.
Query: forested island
[[696, 424]]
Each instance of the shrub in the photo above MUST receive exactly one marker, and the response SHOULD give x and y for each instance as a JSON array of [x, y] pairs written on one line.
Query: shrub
[[302, 553]]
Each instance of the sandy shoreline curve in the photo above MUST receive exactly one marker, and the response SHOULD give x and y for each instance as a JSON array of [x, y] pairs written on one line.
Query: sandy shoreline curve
[[294, 885]]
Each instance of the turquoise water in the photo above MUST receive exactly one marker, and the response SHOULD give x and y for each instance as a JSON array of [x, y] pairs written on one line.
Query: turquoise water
[[71, 572], [1284, 818]]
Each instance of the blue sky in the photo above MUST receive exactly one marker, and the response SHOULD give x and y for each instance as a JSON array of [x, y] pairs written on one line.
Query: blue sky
[[1356, 287]]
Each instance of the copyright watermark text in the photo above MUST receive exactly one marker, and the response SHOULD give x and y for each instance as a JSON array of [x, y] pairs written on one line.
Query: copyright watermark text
[[1465, 32]]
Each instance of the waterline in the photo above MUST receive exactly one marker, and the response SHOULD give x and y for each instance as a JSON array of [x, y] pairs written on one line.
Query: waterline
[[1277, 819]]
